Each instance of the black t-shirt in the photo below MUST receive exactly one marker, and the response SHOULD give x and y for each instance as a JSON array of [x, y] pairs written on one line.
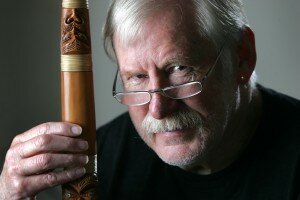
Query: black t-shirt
[[269, 168]]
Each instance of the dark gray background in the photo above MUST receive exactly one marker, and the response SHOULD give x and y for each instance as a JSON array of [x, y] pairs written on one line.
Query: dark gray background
[[29, 61]]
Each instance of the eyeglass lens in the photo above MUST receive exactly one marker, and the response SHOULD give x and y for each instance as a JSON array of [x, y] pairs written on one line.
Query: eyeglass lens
[[175, 92]]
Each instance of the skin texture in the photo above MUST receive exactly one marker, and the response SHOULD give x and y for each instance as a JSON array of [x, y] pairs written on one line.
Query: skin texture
[[225, 101], [33, 155]]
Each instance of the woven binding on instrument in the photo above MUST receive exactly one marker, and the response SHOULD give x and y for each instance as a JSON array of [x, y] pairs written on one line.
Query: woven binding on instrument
[[81, 62], [75, 4], [91, 166]]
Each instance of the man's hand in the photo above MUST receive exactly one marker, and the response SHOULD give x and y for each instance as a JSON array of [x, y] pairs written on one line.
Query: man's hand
[[33, 155]]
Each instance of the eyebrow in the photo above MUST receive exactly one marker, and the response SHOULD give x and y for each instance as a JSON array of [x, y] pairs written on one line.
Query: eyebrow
[[129, 73], [178, 58], [173, 60], [183, 60]]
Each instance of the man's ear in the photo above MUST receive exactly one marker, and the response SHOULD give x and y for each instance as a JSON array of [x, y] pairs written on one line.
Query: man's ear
[[247, 55]]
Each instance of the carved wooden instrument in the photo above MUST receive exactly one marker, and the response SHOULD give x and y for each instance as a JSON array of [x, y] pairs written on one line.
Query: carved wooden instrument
[[77, 95]]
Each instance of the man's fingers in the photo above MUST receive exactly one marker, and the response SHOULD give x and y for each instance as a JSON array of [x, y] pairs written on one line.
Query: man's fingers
[[57, 128], [33, 156], [44, 162], [34, 184], [50, 143]]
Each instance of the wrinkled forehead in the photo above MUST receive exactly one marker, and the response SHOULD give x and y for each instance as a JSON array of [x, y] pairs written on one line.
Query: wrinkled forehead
[[171, 15]]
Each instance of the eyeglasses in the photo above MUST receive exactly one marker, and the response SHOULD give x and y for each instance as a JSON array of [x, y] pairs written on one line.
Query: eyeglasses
[[180, 91]]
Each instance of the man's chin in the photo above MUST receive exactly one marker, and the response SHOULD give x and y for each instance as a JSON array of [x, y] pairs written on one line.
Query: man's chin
[[178, 148], [180, 155]]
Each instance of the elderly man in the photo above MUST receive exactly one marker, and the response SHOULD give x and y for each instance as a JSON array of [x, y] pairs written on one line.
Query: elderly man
[[198, 125]]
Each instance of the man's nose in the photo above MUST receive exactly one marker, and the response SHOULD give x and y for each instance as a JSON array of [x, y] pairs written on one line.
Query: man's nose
[[161, 106]]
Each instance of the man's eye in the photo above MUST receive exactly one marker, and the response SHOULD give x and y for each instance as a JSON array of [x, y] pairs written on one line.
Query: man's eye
[[140, 76], [135, 77], [180, 70], [135, 80]]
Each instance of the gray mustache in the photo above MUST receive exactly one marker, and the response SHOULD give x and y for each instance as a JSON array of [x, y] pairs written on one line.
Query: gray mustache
[[179, 120]]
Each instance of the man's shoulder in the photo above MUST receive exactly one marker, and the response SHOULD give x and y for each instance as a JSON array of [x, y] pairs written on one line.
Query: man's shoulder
[[278, 99], [273, 155], [279, 106], [281, 120]]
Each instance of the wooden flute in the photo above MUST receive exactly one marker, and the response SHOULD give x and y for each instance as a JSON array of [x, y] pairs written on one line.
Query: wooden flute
[[77, 93]]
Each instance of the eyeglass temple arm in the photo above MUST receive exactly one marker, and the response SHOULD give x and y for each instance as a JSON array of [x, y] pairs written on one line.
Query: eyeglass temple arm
[[215, 63], [114, 85]]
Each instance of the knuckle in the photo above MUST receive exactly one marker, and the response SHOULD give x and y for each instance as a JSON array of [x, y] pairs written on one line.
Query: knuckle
[[44, 161], [74, 158], [69, 159], [10, 171], [18, 185], [16, 139], [51, 179], [43, 141], [12, 157], [70, 142], [57, 127], [44, 128], [13, 170], [17, 151], [20, 188], [69, 175], [62, 127], [10, 154]]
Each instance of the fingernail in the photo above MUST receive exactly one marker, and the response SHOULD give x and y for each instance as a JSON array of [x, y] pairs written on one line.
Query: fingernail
[[80, 171], [87, 160], [84, 159], [83, 145], [77, 130]]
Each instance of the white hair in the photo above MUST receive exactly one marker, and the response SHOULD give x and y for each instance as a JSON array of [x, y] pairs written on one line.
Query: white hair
[[179, 120], [217, 20]]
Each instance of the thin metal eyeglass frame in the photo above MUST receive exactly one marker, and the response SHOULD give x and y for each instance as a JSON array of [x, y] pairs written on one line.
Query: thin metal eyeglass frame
[[162, 91]]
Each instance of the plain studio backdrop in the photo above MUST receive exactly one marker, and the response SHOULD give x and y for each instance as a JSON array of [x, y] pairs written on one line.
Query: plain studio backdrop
[[30, 61]]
